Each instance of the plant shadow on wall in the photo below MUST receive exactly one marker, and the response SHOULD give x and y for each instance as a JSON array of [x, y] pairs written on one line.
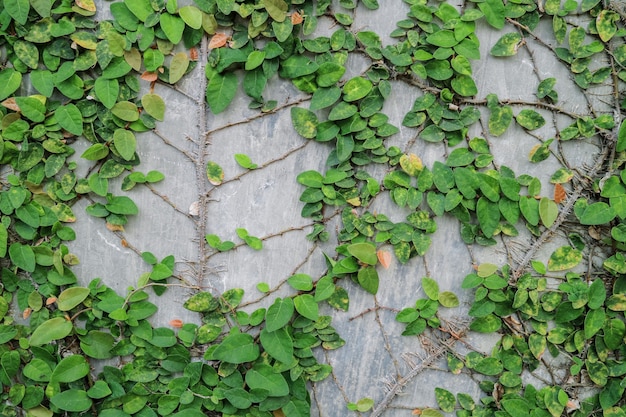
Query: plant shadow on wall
[[90, 79]]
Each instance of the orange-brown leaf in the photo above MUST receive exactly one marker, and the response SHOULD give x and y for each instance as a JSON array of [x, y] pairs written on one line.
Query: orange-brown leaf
[[296, 18], [51, 300], [124, 243], [384, 258], [218, 40], [193, 54], [176, 323], [149, 76], [559, 193], [10, 104], [26, 313]]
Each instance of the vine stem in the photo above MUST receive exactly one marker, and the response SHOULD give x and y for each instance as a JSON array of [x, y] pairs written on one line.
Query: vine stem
[[200, 163], [569, 205], [439, 351]]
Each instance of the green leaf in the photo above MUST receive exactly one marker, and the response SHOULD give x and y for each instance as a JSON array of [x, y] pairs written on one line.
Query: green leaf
[[70, 118], [126, 111], [530, 119], [97, 345], [499, 119], [530, 210], [72, 400], [244, 161], [202, 302], [364, 252], [22, 256], [278, 344], [96, 152], [507, 45], [173, 27], [486, 324], [614, 331], [279, 314], [221, 91], [26, 51], [125, 143], [368, 279], [154, 105], [516, 407], [4, 237], [140, 8], [304, 122], [237, 348], [488, 214], [178, 67], [345, 147], [192, 16], [621, 134], [10, 81], [262, 376], [464, 85], [18, 10], [431, 412], [596, 214], [448, 299], [53, 329], [107, 91], [494, 12], [548, 211], [121, 205], [606, 24], [214, 173], [70, 369], [594, 321], [329, 73], [431, 288], [307, 307], [445, 399], [277, 9], [564, 258], [356, 88], [71, 297], [442, 38], [297, 66]]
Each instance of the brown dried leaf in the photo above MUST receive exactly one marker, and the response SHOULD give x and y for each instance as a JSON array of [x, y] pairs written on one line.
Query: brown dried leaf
[[51, 300], [559, 193], [10, 104], [176, 323], [384, 258], [296, 18], [149, 76], [193, 54], [218, 40], [26, 314]]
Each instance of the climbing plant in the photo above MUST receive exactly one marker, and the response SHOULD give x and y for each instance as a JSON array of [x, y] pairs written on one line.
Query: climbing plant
[[70, 82]]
